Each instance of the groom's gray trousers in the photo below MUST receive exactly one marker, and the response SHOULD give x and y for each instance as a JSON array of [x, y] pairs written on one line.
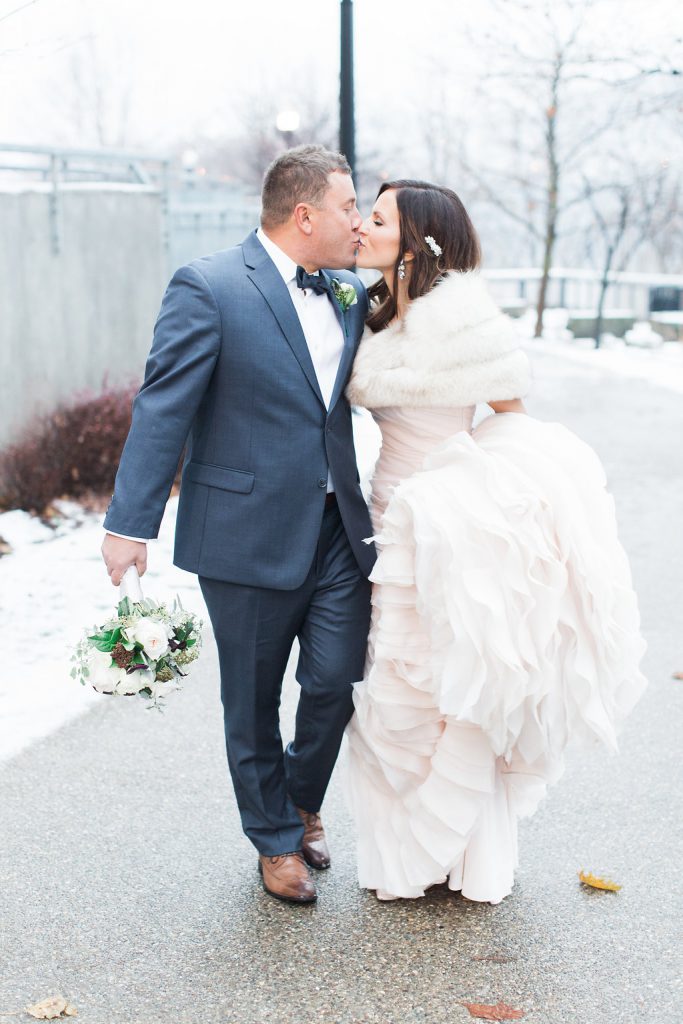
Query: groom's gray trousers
[[255, 628]]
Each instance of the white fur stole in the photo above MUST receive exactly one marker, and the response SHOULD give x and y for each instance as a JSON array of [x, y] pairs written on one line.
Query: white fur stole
[[454, 348]]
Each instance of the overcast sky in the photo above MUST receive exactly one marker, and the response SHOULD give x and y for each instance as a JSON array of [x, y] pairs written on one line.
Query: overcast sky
[[191, 63], [185, 68]]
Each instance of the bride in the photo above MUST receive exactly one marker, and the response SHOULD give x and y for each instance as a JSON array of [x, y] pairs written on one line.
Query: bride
[[504, 622]]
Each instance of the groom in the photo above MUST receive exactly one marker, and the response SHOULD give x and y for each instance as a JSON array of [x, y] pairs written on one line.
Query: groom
[[252, 350]]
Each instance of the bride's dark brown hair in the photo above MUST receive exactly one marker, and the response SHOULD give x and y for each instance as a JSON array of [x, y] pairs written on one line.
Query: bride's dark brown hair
[[425, 210]]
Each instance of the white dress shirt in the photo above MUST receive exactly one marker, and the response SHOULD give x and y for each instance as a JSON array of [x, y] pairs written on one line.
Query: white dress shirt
[[322, 331]]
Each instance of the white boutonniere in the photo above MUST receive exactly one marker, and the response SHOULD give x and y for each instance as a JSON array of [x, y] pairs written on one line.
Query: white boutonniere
[[345, 294]]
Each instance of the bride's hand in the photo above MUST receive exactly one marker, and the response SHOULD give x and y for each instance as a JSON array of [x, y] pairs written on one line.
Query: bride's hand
[[119, 554], [509, 405]]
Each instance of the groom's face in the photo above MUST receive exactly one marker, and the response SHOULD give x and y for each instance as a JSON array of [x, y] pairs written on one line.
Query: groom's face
[[334, 238]]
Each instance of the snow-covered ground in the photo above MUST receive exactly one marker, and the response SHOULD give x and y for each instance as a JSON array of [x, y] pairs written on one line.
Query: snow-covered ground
[[647, 358], [54, 585]]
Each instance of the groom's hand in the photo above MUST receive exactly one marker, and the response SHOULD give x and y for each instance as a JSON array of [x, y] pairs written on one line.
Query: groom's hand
[[119, 554]]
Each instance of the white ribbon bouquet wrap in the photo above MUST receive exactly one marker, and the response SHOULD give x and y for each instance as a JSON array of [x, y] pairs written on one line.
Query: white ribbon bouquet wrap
[[146, 649]]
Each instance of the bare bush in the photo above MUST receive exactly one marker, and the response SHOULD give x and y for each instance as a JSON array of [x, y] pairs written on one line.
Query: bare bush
[[70, 453]]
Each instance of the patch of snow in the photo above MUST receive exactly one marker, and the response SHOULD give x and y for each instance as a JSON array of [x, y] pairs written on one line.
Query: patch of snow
[[554, 324], [662, 367], [20, 528], [673, 316], [642, 335], [54, 586]]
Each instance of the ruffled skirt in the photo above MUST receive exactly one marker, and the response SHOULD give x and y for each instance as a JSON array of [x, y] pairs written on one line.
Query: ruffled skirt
[[504, 625]]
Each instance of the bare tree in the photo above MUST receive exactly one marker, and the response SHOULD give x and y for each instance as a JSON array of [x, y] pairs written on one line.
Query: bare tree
[[666, 237], [260, 141], [554, 101], [625, 215], [17, 10], [96, 94]]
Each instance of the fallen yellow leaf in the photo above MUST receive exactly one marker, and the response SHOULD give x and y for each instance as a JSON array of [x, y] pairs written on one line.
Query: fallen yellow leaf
[[500, 1011], [49, 1009], [597, 883]]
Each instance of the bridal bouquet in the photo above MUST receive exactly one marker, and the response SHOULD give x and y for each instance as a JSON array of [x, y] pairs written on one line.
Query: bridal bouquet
[[145, 649]]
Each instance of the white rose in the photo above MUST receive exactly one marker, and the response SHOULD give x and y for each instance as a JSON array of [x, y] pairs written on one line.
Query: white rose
[[160, 689], [108, 678], [135, 682], [152, 635]]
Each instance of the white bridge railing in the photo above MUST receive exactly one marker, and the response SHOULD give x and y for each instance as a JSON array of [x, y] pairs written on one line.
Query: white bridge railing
[[578, 290]]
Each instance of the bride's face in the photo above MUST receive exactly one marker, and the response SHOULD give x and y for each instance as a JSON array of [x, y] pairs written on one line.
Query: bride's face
[[380, 235]]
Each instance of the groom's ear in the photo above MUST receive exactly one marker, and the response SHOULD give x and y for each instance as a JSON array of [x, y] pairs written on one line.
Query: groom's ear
[[302, 218]]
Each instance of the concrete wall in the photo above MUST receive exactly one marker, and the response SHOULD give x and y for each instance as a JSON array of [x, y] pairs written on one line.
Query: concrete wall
[[68, 318], [205, 216]]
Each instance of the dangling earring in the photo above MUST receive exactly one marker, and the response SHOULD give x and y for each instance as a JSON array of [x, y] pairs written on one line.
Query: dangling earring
[[402, 270]]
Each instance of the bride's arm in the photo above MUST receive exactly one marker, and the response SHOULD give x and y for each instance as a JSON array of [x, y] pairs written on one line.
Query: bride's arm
[[509, 405]]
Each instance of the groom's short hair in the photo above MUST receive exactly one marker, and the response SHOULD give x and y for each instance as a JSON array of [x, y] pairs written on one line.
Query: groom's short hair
[[299, 175]]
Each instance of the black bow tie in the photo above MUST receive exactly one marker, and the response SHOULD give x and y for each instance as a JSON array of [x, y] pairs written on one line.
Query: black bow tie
[[318, 283]]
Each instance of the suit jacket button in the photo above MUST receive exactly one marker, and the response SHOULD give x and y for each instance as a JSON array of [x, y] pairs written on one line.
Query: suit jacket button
[[322, 483]]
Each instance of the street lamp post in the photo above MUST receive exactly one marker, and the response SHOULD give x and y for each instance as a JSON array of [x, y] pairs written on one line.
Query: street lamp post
[[347, 129]]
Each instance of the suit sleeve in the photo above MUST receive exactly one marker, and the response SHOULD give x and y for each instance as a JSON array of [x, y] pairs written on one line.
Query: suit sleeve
[[187, 339]]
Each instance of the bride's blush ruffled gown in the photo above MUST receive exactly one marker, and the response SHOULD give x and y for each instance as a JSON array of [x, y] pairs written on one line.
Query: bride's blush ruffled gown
[[504, 624]]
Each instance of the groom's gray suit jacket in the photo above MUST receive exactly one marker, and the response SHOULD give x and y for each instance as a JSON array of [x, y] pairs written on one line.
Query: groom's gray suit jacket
[[230, 377]]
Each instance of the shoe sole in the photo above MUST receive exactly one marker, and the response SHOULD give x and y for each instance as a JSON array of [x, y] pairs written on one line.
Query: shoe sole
[[281, 897]]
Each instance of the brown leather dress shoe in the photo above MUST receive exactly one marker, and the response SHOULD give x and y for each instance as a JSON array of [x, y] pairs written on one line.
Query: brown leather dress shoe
[[314, 846], [286, 878]]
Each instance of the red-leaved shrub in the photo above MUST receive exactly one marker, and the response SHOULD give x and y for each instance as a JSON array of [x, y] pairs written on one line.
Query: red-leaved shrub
[[69, 453]]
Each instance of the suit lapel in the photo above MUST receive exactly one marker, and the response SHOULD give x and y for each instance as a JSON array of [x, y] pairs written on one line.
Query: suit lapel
[[349, 347], [268, 280]]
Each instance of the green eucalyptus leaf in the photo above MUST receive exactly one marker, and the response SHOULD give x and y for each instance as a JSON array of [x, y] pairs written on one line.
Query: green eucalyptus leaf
[[103, 645]]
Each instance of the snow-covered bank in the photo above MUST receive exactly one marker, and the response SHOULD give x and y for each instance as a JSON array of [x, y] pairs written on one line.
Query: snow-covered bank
[[52, 587], [661, 365]]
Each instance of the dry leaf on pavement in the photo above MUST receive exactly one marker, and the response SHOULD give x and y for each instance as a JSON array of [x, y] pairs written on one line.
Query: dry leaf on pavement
[[49, 1009], [501, 1011], [598, 883]]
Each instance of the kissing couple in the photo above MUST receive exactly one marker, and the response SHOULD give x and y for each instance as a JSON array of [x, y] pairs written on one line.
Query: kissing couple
[[478, 617]]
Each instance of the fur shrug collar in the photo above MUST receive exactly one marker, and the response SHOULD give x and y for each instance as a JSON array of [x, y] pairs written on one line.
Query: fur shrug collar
[[453, 348]]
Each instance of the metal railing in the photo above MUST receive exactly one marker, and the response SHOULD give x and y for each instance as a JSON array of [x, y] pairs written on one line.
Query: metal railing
[[572, 288], [58, 168], [199, 213]]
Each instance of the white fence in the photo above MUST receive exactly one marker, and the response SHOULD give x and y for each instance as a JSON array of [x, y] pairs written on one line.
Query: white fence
[[87, 244], [578, 290]]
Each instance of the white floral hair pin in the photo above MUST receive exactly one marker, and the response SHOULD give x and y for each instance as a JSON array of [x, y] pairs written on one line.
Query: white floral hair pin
[[433, 245]]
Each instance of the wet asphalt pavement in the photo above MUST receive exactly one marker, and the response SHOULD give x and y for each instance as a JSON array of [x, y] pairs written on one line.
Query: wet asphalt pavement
[[126, 883]]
